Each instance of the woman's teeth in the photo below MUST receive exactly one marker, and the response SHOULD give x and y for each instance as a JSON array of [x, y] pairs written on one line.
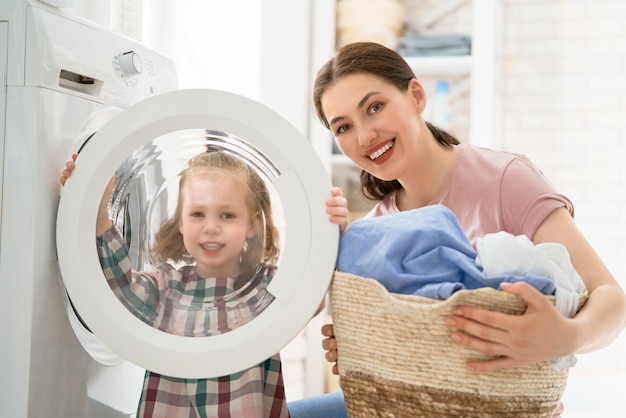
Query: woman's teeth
[[381, 151]]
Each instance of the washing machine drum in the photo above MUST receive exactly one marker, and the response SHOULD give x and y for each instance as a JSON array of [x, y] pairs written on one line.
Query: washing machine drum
[[138, 288]]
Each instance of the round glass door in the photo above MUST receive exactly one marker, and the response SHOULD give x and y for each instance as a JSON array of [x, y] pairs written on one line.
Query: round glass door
[[220, 250]]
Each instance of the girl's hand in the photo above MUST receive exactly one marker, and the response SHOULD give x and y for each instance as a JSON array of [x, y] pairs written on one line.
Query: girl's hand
[[330, 345], [541, 333], [69, 167], [337, 208], [103, 222]]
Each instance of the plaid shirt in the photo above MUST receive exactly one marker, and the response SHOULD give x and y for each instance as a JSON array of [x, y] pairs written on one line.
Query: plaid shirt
[[182, 303]]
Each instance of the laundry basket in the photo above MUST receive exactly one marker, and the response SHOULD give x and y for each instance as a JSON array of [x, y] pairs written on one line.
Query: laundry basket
[[396, 357]]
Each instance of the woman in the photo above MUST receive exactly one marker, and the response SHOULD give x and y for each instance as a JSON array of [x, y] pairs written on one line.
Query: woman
[[369, 98]]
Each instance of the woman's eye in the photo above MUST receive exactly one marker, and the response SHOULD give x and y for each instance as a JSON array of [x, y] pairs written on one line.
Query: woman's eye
[[375, 107], [342, 129]]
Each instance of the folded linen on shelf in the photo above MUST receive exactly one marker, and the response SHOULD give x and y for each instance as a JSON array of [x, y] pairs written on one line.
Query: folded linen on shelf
[[415, 44]]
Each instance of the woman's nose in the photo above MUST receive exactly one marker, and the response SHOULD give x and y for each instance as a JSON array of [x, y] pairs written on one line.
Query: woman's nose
[[365, 135]]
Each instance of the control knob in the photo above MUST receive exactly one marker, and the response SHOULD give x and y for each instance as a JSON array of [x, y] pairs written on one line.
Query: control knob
[[130, 63]]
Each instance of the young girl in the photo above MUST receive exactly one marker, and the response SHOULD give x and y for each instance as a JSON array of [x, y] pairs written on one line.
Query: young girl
[[223, 231], [369, 98]]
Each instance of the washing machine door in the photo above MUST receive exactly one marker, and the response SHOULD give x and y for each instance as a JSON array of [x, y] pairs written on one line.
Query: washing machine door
[[146, 147]]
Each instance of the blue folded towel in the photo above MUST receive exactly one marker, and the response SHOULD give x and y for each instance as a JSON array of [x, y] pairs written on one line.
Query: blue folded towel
[[422, 252]]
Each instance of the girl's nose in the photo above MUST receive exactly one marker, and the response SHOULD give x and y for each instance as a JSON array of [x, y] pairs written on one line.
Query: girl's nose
[[211, 226]]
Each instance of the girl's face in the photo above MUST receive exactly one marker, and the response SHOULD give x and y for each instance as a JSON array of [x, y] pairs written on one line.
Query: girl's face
[[215, 223], [375, 124]]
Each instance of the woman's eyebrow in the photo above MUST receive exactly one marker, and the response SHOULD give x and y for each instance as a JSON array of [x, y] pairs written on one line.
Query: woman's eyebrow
[[359, 105], [365, 98]]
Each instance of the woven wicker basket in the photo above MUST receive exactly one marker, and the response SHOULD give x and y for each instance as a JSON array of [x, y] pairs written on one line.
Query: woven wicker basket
[[396, 357]]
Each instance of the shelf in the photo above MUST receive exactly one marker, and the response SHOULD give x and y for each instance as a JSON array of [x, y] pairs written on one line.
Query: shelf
[[457, 65]]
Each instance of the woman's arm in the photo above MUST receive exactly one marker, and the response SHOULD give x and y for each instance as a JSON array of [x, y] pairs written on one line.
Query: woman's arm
[[604, 315], [542, 333]]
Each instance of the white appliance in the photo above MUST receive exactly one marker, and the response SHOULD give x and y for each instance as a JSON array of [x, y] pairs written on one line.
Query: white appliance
[[71, 85]]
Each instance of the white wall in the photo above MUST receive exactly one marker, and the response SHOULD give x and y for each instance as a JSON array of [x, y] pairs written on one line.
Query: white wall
[[214, 44], [564, 105]]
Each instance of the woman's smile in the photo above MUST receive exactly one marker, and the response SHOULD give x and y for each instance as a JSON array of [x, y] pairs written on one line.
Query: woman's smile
[[378, 152]]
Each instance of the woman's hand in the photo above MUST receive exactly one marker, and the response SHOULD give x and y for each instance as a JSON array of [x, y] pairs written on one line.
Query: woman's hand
[[330, 345], [541, 333], [337, 208]]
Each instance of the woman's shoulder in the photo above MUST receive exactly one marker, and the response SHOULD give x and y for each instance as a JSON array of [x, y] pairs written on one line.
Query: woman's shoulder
[[492, 165], [472, 153]]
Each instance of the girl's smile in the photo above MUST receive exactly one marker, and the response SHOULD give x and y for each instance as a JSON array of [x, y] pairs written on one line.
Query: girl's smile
[[212, 247]]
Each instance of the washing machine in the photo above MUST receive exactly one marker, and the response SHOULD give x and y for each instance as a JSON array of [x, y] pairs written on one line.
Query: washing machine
[[70, 347]]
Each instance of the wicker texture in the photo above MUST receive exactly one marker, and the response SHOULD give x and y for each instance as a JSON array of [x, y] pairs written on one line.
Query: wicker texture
[[396, 357]]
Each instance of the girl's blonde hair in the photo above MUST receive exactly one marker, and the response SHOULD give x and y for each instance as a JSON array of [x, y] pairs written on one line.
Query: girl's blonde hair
[[263, 247]]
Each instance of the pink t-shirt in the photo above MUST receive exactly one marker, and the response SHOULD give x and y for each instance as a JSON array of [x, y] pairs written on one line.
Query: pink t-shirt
[[492, 191]]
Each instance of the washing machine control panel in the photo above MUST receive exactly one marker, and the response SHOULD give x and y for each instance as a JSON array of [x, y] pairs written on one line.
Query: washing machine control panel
[[130, 63]]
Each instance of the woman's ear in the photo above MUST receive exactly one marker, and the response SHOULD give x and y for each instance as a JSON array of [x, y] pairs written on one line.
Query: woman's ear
[[419, 95]]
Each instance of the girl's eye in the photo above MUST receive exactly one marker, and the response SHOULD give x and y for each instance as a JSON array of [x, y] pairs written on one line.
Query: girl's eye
[[196, 214], [375, 107], [229, 216]]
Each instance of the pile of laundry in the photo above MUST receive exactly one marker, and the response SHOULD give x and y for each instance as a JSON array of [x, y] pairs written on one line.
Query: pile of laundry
[[425, 252]]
